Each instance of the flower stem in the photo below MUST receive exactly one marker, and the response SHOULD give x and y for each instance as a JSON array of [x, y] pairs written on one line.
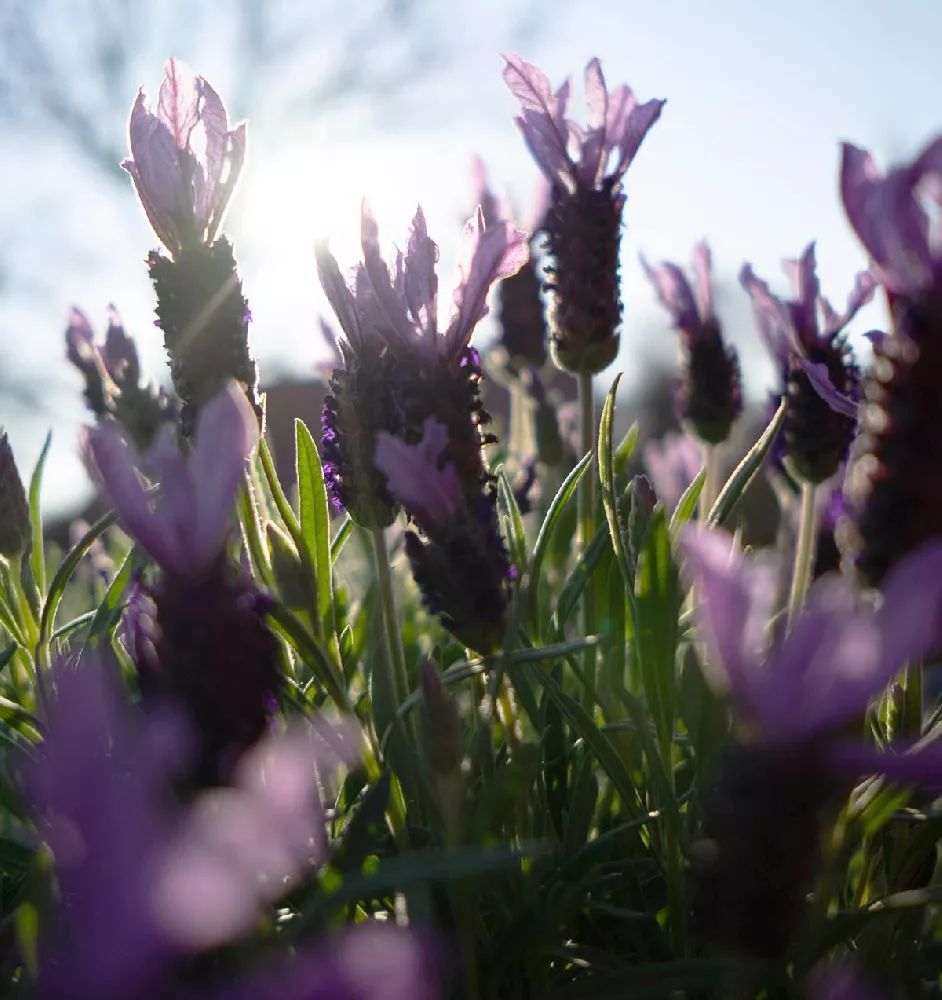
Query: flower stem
[[804, 554], [587, 430], [395, 659]]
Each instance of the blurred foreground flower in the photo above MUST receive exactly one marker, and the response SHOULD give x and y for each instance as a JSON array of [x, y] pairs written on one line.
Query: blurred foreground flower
[[586, 168], [709, 393], [146, 883], [820, 375], [895, 483], [673, 463], [112, 374], [761, 825], [185, 162], [213, 650]]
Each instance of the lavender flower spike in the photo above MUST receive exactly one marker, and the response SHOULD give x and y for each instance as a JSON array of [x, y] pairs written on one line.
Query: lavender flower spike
[[709, 392], [186, 531], [817, 364], [586, 168], [185, 160]]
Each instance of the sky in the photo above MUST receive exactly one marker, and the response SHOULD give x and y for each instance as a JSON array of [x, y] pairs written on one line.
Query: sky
[[759, 95]]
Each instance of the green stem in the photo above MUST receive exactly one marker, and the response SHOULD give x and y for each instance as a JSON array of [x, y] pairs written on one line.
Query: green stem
[[911, 721], [587, 431], [396, 657], [711, 481], [804, 555]]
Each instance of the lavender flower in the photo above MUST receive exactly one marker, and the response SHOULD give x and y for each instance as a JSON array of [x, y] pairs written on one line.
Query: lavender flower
[[400, 369], [583, 225], [213, 650], [709, 395], [185, 160], [16, 531], [185, 164], [817, 364], [520, 301], [461, 567], [112, 374], [145, 883], [761, 824], [894, 488]]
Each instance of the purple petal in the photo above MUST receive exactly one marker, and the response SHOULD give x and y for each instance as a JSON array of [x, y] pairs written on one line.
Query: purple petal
[[546, 146], [420, 283], [486, 256], [673, 291], [215, 122], [80, 341], [639, 123], [736, 604], [772, 316], [117, 464], [916, 766], [178, 103], [887, 217], [596, 96], [413, 474], [702, 265], [483, 195], [621, 102], [821, 382], [802, 273], [381, 284], [338, 295], [673, 464], [226, 433], [863, 291], [840, 981], [543, 121]]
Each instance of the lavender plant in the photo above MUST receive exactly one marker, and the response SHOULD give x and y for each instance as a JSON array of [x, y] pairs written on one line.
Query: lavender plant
[[483, 755]]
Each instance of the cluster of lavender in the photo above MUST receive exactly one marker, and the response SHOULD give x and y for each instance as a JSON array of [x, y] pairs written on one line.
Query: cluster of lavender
[[743, 784]]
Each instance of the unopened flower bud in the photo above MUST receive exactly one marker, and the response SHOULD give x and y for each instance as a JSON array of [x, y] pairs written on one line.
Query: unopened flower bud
[[444, 741], [16, 531]]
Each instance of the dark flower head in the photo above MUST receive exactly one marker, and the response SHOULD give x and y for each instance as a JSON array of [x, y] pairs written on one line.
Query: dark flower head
[[399, 368], [894, 487], [817, 365], [112, 374], [709, 393], [460, 564], [16, 532], [185, 160], [583, 225]]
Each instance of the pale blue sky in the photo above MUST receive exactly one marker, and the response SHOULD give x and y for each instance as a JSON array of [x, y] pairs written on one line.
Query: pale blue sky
[[758, 97]]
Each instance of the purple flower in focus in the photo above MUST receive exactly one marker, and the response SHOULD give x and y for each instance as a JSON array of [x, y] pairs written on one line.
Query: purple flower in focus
[[894, 485], [185, 160], [673, 463], [401, 366], [709, 392], [586, 168], [187, 529], [461, 566], [817, 365]]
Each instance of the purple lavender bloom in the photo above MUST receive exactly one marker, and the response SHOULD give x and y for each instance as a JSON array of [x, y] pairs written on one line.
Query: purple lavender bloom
[[673, 464], [185, 160], [145, 883], [112, 374], [461, 566], [399, 367], [586, 168], [894, 490], [817, 364], [187, 530], [523, 333], [214, 651], [709, 392]]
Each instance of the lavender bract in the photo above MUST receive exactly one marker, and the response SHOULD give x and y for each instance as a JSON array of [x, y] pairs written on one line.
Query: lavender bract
[[820, 375], [894, 485], [583, 225], [709, 394]]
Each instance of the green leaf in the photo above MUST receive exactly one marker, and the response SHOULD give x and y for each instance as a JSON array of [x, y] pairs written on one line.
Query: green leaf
[[252, 533], [7, 655], [576, 583], [277, 493], [744, 473], [626, 448], [597, 743], [340, 539], [292, 629], [550, 522], [314, 519], [109, 611], [687, 504], [37, 555], [516, 536], [607, 477]]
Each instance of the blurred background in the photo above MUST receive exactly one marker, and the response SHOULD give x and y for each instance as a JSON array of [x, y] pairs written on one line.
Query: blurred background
[[391, 98]]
